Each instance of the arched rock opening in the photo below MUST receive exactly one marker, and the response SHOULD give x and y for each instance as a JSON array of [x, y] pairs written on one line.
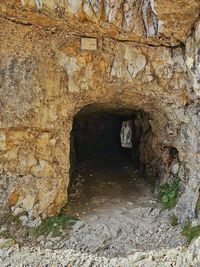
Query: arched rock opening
[[98, 157], [97, 128]]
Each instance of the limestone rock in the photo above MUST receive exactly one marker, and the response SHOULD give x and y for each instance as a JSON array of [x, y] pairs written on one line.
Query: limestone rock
[[136, 19], [193, 59], [128, 62], [140, 63], [4, 243], [178, 257]]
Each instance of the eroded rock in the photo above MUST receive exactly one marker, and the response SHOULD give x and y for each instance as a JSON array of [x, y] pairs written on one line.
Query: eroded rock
[[46, 79]]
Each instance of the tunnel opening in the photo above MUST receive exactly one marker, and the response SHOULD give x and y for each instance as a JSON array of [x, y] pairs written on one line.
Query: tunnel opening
[[98, 133], [110, 157], [98, 130]]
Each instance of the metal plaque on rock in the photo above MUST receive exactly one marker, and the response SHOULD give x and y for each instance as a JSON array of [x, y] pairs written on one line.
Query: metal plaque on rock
[[88, 43]]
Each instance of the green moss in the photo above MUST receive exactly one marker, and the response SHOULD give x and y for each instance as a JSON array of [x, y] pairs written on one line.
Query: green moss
[[5, 234], [168, 193], [54, 225], [8, 218], [174, 220], [198, 206], [191, 232]]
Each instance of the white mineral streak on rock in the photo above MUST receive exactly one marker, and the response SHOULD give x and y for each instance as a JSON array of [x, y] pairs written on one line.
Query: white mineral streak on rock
[[38, 4], [74, 6], [2, 141], [92, 8], [152, 26], [111, 10], [128, 62], [193, 59], [71, 67]]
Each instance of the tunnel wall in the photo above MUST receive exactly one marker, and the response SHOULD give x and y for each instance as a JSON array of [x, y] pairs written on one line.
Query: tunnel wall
[[46, 79]]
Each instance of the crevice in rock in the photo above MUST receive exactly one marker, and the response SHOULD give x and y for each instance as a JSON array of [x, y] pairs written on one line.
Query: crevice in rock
[[137, 39]]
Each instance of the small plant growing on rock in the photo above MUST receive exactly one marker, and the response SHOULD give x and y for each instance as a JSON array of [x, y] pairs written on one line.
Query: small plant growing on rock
[[174, 220], [190, 232], [168, 193], [5, 234], [198, 206], [54, 225]]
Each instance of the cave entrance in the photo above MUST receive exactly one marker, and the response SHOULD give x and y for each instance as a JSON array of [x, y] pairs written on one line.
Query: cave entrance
[[103, 172]]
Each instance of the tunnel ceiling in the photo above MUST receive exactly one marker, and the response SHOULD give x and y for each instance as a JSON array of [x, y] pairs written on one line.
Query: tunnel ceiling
[[108, 108]]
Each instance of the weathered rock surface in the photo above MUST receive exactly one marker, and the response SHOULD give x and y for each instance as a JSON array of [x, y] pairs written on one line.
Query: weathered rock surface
[[193, 58], [137, 20], [46, 79]]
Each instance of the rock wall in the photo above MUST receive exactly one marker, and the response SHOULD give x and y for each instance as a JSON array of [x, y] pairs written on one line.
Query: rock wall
[[123, 19], [46, 78]]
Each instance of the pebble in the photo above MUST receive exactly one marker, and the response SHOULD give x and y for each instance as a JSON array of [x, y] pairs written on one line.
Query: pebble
[[49, 244], [78, 225], [55, 239], [4, 243], [152, 201], [42, 243], [40, 238], [3, 229], [49, 236]]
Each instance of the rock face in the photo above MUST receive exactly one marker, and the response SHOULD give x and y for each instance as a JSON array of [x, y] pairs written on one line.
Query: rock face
[[140, 63], [193, 58]]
